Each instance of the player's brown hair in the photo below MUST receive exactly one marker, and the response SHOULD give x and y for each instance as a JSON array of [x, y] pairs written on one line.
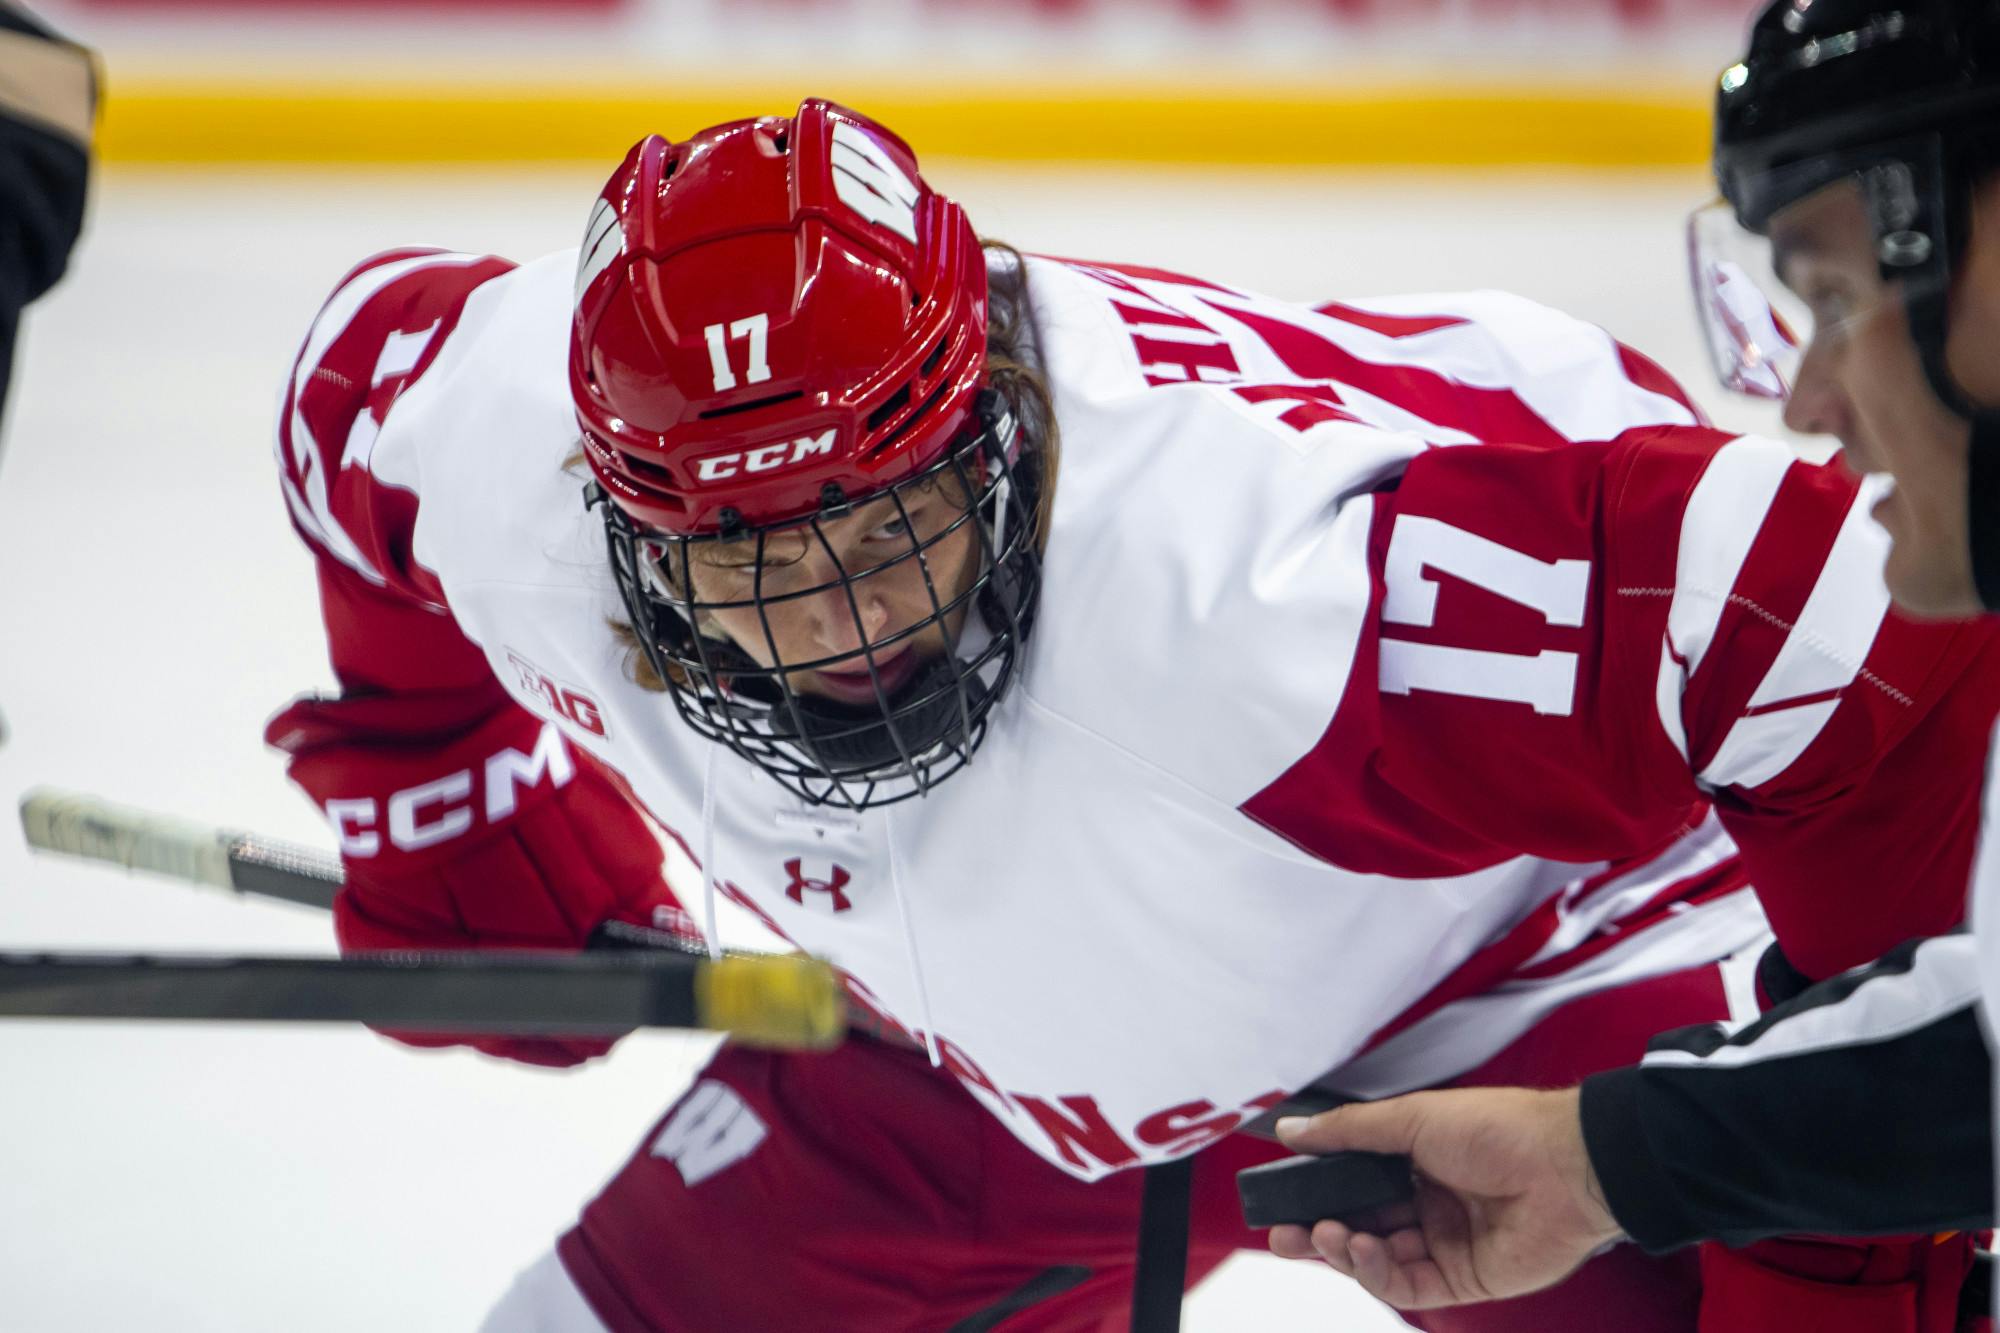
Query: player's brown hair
[[1012, 369]]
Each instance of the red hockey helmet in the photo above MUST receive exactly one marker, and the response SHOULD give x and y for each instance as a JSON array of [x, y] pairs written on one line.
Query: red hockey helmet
[[777, 321], [768, 309]]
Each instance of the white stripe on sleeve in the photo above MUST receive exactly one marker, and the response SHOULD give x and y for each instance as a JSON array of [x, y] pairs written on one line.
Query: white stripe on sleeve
[[1760, 747], [1842, 615], [1823, 652], [1943, 978], [1723, 516]]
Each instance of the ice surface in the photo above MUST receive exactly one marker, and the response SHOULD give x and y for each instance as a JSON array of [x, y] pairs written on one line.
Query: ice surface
[[155, 609]]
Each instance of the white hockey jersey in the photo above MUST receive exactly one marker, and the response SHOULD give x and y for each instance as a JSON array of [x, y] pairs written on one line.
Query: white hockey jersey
[[1334, 747]]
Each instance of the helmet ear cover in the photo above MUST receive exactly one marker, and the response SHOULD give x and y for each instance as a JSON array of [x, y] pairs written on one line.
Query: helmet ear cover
[[912, 734]]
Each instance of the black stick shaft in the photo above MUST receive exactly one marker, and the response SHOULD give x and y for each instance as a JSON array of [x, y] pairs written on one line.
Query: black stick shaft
[[529, 995], [267, 868], [786, 1001], [628, 977]]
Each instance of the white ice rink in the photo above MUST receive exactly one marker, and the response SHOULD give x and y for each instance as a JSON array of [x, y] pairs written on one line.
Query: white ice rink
[[156, 608]]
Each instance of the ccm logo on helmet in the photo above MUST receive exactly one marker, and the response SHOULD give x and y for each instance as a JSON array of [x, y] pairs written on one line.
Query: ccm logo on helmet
[[766, 458], [444, 808]]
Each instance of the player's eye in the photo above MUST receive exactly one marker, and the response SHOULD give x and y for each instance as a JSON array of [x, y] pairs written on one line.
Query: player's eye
[[1831, 305], [894, 530]]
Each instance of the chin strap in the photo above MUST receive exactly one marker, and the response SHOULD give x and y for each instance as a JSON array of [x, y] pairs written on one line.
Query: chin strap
[[1983, 499]]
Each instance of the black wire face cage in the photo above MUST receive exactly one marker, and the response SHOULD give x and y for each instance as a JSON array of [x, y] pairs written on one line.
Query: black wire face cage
[[919, 728]]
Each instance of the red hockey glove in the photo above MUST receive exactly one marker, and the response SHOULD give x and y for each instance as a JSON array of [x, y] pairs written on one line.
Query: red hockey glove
[[498, 836]]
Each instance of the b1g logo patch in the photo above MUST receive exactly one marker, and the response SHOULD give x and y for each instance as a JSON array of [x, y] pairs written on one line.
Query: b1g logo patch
[[832, 886], [563, 700]]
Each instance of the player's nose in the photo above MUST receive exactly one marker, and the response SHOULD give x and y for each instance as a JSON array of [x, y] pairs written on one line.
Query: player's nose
[[847, 616], [1815, 405]]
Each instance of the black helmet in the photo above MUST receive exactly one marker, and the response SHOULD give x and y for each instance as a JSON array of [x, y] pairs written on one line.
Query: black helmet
[[1825, 78], [1901, 96]]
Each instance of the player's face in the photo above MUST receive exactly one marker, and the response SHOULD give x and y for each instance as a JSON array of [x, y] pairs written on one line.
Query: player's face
[[841, 595], [1862, 380]]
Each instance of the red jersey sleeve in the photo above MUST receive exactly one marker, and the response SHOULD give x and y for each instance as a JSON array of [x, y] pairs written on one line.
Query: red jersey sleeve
[[1575, 650], [463, 820]]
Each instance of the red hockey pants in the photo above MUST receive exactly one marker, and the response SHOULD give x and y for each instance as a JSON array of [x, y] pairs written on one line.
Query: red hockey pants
[[864, 1190]]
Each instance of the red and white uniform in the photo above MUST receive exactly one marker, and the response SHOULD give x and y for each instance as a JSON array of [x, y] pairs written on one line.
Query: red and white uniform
[[1368, 720]]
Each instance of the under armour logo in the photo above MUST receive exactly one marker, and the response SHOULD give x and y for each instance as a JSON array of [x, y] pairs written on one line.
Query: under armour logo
[[796, 890]]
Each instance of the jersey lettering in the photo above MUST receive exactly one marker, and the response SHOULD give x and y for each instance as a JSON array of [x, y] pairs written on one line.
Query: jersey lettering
[[1175, 348], [1079, 1127], [1313, 404], [1546, 681], [1084, 1136], [1557, 589], [332, 416], [712, 1128], [399, 356], [1185, 1127]]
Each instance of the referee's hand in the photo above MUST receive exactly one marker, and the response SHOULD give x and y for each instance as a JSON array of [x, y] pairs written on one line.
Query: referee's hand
[[1506, 1203]]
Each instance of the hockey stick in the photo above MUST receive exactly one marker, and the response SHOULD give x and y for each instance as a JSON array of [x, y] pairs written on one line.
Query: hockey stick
[[72, 824], [249, 865], [774, 1000], [90, 828], [630, 976]]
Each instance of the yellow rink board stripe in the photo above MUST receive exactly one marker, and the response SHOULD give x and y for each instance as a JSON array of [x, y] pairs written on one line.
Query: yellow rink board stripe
[[160, 121]]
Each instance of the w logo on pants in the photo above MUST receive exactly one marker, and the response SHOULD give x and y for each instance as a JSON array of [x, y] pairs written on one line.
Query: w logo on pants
[[712, 1128]]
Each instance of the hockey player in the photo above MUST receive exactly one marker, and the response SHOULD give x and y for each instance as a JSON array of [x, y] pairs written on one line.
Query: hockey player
[[1321, 704], [1857, 155], [48, 114]]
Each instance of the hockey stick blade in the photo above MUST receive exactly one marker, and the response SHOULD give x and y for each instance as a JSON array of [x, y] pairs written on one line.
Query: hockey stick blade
[[782, 1001], [74, 824]]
